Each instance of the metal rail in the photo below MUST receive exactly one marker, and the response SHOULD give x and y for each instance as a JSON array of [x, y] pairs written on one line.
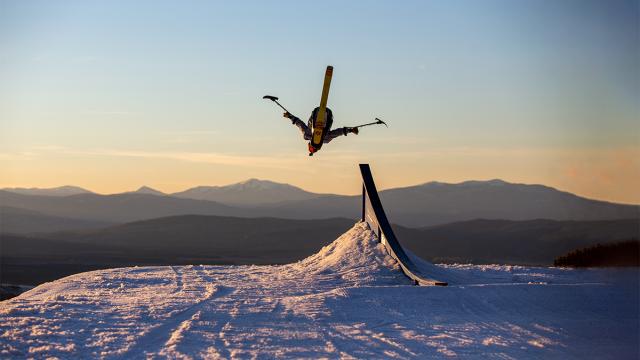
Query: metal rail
[[373, 214]]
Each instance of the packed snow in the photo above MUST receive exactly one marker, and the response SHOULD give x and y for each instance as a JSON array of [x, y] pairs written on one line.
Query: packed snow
[[349, 300]]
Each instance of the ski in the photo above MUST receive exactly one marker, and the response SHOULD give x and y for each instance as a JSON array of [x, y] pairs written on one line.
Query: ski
[[320, 119]]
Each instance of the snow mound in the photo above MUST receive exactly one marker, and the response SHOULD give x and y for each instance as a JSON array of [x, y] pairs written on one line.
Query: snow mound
[[356, 258]]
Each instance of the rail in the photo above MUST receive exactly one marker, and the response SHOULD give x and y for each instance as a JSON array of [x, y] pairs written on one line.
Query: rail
[[373, 214]]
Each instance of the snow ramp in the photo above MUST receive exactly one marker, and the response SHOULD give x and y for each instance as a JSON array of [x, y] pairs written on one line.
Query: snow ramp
[[373, 214]]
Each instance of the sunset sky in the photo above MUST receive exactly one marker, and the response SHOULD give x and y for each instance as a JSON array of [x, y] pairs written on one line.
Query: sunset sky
[[112, 95]]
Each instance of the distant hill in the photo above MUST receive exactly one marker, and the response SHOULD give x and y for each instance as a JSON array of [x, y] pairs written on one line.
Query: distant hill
[[437, 203], [57, 191], [21, 221], [188, 239], [280, 240], [32, 260], [441, 203], [269, 240], [36, 248], [252, 192], [535, 242], [416, 206], [115, 208]]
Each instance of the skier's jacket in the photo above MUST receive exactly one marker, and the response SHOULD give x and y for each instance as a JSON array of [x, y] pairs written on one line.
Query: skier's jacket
[[307, 129]]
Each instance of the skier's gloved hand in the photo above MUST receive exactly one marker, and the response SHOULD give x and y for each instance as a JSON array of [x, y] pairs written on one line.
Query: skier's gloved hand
[[347, 130], [287, 115]]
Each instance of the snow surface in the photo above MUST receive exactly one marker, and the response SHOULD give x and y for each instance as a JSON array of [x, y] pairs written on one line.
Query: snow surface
[[347, 301]]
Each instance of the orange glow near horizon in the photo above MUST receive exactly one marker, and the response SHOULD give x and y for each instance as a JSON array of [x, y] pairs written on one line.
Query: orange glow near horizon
[[610, 175]]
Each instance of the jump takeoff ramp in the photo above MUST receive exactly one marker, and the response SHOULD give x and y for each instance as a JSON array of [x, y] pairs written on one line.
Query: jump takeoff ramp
[[373, 214]]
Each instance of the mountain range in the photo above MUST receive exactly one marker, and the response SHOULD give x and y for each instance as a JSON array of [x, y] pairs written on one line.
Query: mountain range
[[22, 221], [428, 204], [252, 192], [56, 191]]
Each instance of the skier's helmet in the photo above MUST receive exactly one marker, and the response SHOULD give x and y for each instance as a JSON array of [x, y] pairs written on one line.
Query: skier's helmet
[[328, 117], [312, 148]]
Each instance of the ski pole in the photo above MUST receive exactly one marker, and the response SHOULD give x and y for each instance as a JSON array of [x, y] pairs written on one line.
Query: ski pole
[[275, 100], [377, 122]]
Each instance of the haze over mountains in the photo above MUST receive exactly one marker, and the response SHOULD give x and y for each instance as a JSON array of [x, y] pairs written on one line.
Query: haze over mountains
[[415, 206], [438, 203], [46, 236], [272, 240], [22, 221], [56, 191], [114, 208]]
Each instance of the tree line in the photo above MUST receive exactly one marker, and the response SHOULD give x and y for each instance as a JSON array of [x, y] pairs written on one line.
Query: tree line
[[621, 253]]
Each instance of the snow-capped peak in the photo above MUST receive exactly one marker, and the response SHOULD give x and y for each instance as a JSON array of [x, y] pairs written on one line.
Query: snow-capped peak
[[249, 192], [258, 184], [147, 190], [493, 182]]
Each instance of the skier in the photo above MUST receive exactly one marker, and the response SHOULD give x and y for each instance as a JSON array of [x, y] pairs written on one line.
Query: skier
[[318, 130], [330, 134]]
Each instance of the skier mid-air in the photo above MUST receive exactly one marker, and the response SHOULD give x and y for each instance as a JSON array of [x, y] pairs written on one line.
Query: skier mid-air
[[318, 130], [307, 133]]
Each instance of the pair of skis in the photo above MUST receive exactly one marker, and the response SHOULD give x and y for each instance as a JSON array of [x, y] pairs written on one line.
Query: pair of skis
[[320, 121]]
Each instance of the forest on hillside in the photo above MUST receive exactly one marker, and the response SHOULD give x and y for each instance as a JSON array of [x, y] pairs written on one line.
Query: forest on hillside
[[622, 253]]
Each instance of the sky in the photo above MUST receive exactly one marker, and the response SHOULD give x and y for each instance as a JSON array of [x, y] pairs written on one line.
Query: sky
[[112, 95]]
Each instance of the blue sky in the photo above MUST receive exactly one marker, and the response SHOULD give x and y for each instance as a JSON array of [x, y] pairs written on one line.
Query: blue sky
[[118, 94]]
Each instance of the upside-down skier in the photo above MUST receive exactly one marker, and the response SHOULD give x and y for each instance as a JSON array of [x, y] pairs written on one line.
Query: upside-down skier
[[318, 130], [330, 134]]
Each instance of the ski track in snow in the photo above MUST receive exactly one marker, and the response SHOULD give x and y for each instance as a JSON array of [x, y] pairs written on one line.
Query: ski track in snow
[[347, 301]]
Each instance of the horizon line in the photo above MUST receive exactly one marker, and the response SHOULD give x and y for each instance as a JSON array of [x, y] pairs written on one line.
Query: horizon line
[[10, 188]]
